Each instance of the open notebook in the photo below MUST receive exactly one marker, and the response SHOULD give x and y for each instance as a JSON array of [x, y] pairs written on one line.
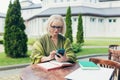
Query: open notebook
[[53, 65]]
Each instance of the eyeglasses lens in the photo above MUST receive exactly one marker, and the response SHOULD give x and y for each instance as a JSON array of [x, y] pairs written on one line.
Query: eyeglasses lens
[[56, 27]]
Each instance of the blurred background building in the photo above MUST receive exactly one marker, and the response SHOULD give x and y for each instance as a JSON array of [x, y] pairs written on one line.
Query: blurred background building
[[101, 18]]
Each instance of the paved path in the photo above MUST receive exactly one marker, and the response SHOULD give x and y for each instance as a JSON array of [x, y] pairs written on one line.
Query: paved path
[[94, 46], [12, 74], [1, 48]]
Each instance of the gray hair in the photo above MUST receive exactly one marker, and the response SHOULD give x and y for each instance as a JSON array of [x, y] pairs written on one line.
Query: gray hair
[[53, 18]]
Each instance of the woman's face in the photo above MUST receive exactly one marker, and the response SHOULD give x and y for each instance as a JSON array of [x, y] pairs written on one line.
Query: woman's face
[[56, 27]]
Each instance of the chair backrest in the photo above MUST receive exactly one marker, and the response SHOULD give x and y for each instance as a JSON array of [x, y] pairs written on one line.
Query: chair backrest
[[108, 64], [114, 54], [105, 63], [112, 47]]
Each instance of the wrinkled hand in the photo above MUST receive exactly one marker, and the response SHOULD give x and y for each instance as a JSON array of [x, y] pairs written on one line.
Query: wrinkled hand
[[61, 58], [52, 55]]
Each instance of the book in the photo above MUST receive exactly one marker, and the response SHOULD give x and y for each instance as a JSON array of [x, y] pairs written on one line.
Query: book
[[88, 65], [53, 65]]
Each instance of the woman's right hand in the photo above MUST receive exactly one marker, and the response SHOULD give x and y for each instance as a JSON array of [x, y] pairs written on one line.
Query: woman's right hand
[[50, 57], [52, 54]]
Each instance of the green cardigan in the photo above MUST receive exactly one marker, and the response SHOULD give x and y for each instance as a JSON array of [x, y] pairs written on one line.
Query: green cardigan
[[45, 45]]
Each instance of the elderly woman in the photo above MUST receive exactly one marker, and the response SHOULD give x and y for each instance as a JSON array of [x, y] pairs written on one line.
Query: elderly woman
[[45, 48]]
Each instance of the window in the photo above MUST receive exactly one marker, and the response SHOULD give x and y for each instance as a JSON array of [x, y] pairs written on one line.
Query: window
[[74, 19], [112, 20], [44, 20], [90, 0], [93, 1], [55, 1], [68, 0], [100, 20], [61, 0], [92, 19]]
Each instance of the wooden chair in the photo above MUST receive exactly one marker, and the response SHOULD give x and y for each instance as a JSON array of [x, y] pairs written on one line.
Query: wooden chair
[[112, 47], [114, 54], [108, 64]]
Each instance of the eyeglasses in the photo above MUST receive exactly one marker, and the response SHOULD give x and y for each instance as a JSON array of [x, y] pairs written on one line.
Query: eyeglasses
[[56, 27]]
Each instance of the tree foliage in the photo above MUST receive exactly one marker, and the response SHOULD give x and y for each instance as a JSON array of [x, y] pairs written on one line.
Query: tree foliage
[[68, 20], [15, 39], [80, 36]]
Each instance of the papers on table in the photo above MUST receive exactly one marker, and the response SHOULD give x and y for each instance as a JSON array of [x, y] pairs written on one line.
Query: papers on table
[[53, 65], [100, 74]]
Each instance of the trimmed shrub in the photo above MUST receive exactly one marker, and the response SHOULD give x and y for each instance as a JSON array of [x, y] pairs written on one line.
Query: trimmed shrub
[[1, 41], [76, 47]]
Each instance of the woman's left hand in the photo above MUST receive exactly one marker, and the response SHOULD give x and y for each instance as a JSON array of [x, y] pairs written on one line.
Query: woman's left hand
[[61, 58]]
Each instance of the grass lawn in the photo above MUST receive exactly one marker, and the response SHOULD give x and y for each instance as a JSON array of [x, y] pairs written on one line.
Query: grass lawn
[[88, 51], [12, 61], [101, 42], [85, 51]]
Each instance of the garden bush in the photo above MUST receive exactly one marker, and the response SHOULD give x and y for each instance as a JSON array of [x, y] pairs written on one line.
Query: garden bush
[[76, 47], [1, 41]]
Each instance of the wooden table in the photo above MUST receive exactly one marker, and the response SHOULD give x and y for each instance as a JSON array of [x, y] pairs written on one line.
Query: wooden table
[[33, 72]]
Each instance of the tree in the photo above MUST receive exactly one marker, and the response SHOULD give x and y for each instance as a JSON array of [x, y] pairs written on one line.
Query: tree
[[15, 39], [79, 36], [8, 22], [68, 20]]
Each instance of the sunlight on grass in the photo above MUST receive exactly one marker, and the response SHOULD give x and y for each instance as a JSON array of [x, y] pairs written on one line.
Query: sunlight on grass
[[12, 61], [4, 60], [89, 51], [85, 51], [100, 42]]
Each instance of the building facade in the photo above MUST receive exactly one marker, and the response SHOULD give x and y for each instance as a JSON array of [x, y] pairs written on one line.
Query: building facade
[[100, 18], [28, 8], [2, 23]]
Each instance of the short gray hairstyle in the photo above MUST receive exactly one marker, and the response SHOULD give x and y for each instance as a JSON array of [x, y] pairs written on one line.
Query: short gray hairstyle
[[52, 18]]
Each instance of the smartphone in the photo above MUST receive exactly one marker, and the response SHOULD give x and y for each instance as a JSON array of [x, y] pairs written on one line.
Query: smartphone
[[60, 51]]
